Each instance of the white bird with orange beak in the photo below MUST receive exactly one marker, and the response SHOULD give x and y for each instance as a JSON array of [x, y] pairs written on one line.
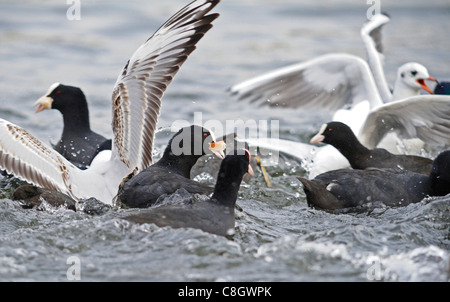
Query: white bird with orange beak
[[357, 92], [411, 78]]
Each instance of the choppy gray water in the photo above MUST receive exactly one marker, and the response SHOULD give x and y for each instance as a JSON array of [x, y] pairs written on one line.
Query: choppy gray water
[[278, 238]]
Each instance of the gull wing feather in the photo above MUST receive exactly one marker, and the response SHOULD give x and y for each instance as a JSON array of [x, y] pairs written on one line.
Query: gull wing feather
[[371, 36], [140, 86], [29, 159], [330, 81], [425, 116]]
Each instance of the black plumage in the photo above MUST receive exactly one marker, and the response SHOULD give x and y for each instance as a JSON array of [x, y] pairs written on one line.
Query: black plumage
[[214, 215], [442, 88], [346, 188], [78, 143], [341, 136], [171, 172]]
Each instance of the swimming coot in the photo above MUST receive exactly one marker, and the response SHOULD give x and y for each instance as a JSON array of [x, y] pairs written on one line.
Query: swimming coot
[[78, 143], [172, 171], [214, 215], [340, 136], [346, 188]]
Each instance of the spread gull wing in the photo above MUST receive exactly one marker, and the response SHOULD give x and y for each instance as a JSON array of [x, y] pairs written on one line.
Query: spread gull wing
[[329, 81], [27, 158], [425, 116], [373, 30], [371, 36], [140, 86]]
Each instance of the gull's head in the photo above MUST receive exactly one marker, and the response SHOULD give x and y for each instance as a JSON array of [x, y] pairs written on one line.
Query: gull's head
[[414, 76]]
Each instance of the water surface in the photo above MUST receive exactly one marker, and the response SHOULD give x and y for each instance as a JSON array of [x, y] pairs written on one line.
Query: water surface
[[277, 238]]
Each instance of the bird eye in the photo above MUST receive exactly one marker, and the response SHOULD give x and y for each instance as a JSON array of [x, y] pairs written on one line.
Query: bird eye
[[205, 135], [58, 92], [413, 73]]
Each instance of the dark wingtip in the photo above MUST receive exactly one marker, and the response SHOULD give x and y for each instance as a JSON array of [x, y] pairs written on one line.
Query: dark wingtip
[[386, 14]]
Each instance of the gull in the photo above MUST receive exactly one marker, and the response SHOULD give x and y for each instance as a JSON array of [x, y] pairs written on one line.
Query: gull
[[358, 95], [136, 102]]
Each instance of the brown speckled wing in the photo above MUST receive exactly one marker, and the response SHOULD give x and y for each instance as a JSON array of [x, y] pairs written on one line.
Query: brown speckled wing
[[27, 158], [139, 88]]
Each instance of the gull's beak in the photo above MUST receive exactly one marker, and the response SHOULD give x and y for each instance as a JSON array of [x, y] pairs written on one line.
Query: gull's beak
[[217, 148], [424, 86], [43, 103]]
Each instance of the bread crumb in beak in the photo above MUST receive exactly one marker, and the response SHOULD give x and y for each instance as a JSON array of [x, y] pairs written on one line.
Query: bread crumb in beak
[[43, 103], [217, 148]]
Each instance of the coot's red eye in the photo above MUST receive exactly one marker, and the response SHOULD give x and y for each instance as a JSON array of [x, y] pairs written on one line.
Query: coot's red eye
[[58, 92], [205, 135]]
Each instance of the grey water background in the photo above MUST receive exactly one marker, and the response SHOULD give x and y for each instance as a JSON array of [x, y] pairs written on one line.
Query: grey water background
[[277, 238]]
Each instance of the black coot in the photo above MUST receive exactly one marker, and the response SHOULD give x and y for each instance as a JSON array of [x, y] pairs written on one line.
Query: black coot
[[171, 172], [78, 143], [341, 136], [346, 188], [442, 88], [215, 215]]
